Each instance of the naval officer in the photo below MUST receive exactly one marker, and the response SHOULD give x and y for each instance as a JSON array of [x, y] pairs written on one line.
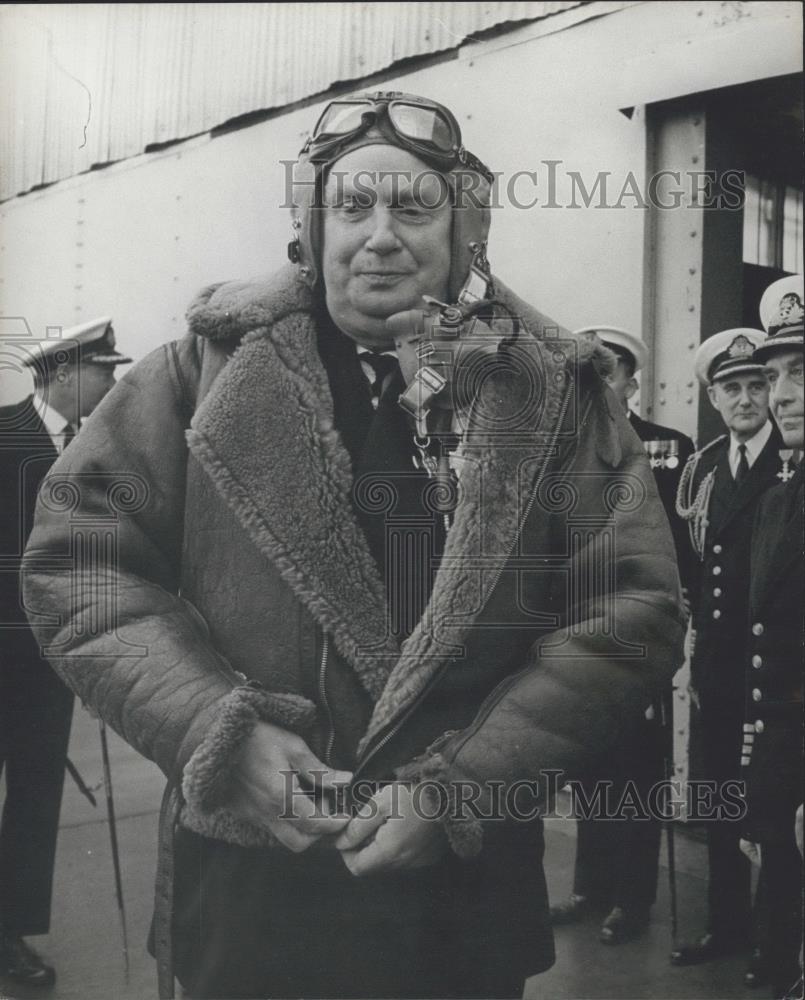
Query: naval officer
[[719, 493], [772, 763], [71, 375], [617, 860]]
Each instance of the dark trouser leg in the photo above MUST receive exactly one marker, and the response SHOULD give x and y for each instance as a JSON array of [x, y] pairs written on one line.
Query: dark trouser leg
[[782, 872], [639, 840], [639, 866], [36, 715], [729, 885], [760, 916], [596, 856], [617, 859]]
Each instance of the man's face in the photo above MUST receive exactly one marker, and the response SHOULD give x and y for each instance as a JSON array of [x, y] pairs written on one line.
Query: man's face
[[784, 372], [387, 228], [622, 382], [93, 384], [743, 402]]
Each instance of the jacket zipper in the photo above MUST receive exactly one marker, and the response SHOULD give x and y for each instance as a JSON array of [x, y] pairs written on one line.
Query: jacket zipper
[[401, 721], [325, 654], [438, 675]]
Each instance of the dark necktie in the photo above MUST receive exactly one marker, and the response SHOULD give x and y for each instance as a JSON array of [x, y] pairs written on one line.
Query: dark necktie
[[743, 465], [67, 435], [382, 365]]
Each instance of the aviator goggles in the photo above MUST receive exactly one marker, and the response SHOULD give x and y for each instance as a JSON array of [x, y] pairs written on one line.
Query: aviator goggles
[[423, 127]]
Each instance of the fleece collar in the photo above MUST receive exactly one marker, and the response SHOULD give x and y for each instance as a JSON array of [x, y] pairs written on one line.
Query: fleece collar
[[265, 435]]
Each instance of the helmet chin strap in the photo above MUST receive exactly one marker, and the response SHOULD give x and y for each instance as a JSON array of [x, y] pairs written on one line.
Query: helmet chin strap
[[478, 283]]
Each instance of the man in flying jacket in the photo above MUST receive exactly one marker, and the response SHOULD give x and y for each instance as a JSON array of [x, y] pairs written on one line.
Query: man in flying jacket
[[316, 587]]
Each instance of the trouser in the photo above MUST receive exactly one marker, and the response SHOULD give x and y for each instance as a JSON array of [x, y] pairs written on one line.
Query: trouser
[[617, 863], [36, 711], [781, 866], [252, 923], [729, 889], [617, 860]]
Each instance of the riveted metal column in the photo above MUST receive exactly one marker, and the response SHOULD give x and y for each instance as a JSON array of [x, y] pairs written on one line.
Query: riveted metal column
[[674, 256], [672, 302]]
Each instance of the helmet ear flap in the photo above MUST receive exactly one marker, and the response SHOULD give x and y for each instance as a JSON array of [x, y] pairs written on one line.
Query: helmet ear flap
[[472, 217], [304, 248]]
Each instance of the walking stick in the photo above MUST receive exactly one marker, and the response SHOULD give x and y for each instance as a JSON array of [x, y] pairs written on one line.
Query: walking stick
[[110, 812], [668, 822], [82, 786]]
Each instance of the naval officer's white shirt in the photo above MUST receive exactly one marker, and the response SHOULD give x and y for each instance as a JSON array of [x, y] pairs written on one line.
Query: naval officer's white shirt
[[754, 446], [54, 422]]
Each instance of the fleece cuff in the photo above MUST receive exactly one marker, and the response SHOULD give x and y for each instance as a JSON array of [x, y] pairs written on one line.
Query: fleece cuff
[[206, 778], [462, 827]]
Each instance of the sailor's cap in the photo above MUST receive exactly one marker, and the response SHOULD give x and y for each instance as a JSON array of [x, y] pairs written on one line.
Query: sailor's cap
[[781, 315], [728, 353], [620, 341], [89, 343]]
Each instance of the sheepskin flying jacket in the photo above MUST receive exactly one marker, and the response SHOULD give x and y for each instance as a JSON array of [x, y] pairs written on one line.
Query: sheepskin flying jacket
[[228, 549]]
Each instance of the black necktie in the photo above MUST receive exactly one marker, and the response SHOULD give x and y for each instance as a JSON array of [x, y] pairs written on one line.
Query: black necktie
[[743, 465], [382, 365]]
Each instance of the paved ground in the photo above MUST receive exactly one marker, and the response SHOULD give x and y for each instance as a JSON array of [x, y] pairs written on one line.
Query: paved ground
[[640, 969], [85, 941]]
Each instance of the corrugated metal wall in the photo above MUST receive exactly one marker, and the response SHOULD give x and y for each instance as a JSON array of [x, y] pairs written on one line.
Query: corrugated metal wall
[[90, 84]]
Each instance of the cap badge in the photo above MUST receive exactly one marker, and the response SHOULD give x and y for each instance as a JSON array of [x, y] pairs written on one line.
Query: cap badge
[[789, 311], [741, 347]]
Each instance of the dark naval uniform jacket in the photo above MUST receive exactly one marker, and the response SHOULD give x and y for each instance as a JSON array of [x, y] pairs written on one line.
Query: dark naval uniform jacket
[[773, 730], [721, 599], [668, 450], [35, 705], [721, 514]]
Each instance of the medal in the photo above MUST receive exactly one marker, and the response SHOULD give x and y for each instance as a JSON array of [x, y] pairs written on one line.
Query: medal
[[786, 472], [662, 454]]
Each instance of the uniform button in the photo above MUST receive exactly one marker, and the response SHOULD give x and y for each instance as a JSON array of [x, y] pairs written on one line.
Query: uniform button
[[717, 592], [759, 727], [716, 571], [717, 549], [757, 661], [756, 694], [716, 613], [757, 628]]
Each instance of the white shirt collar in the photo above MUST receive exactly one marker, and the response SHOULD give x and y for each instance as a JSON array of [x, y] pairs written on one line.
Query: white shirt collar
[[754, 446], [366, 350], [366, 368], [53, 420]]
